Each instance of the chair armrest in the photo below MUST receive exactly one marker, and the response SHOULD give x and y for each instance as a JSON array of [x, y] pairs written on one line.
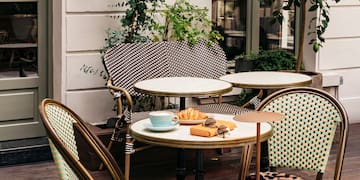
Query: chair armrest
[[115, 91], [254, 101]]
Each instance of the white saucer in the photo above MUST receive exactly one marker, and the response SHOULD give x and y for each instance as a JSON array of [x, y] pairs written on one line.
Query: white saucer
[[150, 127]]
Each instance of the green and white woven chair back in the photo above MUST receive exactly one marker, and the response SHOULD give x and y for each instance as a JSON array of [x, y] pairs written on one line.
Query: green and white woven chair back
[[303, 139], [65, 172], [62, 123]]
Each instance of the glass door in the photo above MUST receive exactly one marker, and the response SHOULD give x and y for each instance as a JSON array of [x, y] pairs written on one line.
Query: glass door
[[230, 19], [23, 67]]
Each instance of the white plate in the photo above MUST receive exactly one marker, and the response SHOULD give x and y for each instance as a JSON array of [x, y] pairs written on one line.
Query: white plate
[[150, 127]]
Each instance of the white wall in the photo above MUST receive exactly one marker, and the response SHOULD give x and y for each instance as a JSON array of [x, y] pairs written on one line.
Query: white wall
[[341, 53], [79, 33]]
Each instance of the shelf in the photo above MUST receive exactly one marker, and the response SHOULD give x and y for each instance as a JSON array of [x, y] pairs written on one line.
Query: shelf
[[18, 45]]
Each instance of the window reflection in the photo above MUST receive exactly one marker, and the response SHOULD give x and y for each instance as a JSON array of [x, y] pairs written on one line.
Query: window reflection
[[276, 35], [18, 39], [230, 18]]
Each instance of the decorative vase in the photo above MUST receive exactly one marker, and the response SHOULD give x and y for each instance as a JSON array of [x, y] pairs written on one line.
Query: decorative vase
[[243, 65], [22, 25]]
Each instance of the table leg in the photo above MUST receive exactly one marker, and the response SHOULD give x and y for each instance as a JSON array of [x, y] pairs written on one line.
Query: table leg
[[199, 172], [245, 160], [258, 147], [181, 165], [182, 103], [181, 161], [264, 161]]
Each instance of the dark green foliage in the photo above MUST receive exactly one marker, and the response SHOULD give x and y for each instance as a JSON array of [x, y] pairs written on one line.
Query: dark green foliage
[[274, 60], [270, 60]]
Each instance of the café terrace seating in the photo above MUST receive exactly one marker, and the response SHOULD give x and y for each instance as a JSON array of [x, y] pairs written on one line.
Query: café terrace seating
[[128, 63]]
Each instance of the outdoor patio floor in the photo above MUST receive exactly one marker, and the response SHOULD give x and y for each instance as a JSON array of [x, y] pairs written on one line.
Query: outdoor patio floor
[[226, 168]]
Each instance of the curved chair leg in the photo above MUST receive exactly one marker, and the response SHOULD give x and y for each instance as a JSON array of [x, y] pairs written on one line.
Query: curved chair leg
[[245, 161], [101, 167], [129, 149]]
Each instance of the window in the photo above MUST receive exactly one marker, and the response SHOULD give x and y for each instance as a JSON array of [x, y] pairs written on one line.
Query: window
[[238, 19], [18, 39], [275, 35]]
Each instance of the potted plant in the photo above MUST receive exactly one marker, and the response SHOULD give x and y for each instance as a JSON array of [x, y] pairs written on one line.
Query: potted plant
[[23, 21], [183, 22], [321, 22], [318, 26], [245, 62], [265, 60]]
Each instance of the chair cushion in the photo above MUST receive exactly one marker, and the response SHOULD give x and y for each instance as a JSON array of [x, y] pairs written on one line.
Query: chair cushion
[[273, 176]]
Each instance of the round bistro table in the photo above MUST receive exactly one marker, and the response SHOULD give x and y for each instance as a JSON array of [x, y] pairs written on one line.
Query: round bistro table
[[182, 87], [267, 79], [244, 134]]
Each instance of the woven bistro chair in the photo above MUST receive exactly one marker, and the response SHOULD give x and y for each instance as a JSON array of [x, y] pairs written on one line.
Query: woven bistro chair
[[303, 140], [66, 132], [128, 63]]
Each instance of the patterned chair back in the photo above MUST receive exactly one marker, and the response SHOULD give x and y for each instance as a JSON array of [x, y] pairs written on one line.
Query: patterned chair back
[[62, 125], [128, 63], [304, 138]]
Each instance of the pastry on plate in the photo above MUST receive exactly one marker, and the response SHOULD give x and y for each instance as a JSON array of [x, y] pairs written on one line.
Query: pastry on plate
[[192, 114]]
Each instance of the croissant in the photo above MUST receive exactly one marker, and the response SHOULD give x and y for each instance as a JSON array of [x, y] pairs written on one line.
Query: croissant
[[191, 114]]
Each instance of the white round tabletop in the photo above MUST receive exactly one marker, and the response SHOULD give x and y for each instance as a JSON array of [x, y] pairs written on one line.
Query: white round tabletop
[[267, 79], [243, 134], [182, 86]]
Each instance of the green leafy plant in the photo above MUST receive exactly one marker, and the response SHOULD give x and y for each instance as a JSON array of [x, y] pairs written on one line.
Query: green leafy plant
[[185, 22], [322, 20], [273, 60], [269, 60]]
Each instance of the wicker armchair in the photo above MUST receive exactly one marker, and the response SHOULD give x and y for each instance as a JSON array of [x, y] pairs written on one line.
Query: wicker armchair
[[304, 138], [66, 133]]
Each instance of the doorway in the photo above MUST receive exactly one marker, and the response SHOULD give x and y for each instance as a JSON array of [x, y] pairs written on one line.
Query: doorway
[[23, 68]]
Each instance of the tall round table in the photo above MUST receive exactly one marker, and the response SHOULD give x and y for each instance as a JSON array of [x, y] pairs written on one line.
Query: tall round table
[[243, 135], [183, 87], [267, 79]]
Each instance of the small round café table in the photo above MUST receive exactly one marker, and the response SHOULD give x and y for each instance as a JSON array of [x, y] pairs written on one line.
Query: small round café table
[[259, 117], [183, 87], [243, 135], [267, 79]]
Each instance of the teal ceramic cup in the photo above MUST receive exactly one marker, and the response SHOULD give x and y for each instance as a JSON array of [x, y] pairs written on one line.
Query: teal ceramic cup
[[163, 119]]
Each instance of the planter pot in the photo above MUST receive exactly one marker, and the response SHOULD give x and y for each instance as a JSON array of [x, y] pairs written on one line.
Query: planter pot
[[22, 26], [316, 78], [242, 65]]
